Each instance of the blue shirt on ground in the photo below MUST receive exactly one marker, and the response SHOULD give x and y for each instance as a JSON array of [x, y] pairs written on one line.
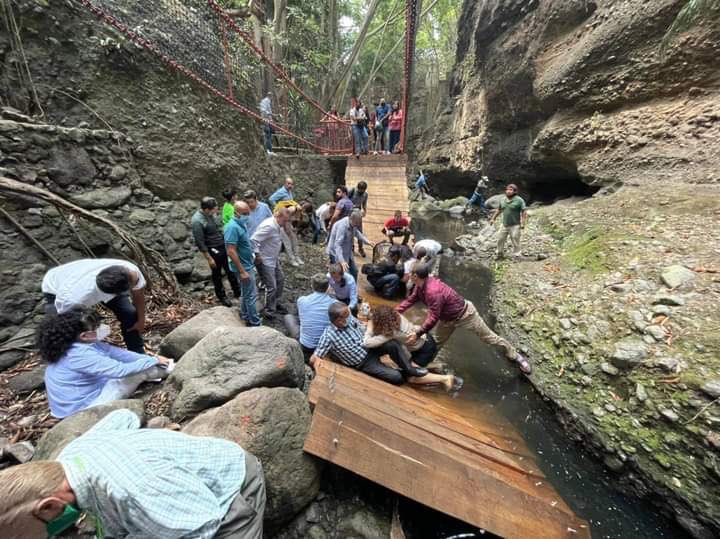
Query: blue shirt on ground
[[74, 381], [236, 234], [258, 215], [313, 314], [345, 290], [280, 194]]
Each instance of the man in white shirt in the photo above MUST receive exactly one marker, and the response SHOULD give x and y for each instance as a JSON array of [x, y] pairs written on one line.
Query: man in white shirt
[[109, 281], [267, 242]]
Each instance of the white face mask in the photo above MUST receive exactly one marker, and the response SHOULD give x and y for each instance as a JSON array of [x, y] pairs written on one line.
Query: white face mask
[[102, 332]]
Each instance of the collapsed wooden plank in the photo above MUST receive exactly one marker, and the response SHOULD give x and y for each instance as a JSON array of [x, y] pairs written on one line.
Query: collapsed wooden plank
[[414, 464]]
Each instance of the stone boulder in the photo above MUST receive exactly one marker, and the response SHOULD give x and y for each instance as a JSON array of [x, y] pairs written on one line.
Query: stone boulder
[[230, 360], [676, 276], [104, 198], [54, 440], [270, 423], [629, 353], [188, 334]]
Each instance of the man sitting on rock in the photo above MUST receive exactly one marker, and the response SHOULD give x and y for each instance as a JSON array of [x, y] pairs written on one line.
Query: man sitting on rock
[[133, 482], [313, 314], [448, 310], [208, 237], [343, 341], [397, 226], [87, 282]]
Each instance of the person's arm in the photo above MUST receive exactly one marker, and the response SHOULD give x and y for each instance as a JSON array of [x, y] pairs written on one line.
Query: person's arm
[[138, 299], [494, 215], [523, 218], [232, 253], [322, 351], [359, 235], [373, 341], [123, 355], [409, 301], [261, 233], [352, 285], [94, 361], [335, 217]]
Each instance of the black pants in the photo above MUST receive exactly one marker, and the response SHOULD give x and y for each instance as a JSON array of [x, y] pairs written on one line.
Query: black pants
[[427, 353], [219, 255], [374, 367], [307, 352], [354, 310], [124, 311]]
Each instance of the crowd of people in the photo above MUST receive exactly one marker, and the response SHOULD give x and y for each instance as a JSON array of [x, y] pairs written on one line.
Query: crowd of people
[[243, 245]]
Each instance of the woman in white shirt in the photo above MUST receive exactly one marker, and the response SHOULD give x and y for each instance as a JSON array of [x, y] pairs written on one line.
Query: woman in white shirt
[[387, 324]]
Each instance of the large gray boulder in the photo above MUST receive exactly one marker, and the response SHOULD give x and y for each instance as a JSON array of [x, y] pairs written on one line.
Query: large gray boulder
[[54, 440], [189, 333], [105, 197], [676, 276], [270, 423], [230, 360]]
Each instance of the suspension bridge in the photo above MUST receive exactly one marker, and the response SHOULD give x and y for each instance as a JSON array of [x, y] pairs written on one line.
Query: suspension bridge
[[405, 440]]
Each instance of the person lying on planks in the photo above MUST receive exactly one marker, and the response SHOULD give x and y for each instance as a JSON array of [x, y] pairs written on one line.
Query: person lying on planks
[[387, 325], [85, 371], [343, 286], [398, 226], [448, 310], [343, 341], [133, 482], [87, 282]]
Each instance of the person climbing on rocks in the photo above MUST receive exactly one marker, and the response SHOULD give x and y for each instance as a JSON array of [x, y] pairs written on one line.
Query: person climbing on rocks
[[514, 214], [477, 198], [448, 310]]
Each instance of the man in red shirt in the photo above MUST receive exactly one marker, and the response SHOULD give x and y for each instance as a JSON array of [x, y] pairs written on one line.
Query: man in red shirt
[[397, 226], [448, 310]]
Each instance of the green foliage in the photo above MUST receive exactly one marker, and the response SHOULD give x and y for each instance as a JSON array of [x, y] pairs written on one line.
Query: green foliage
[[690, 15]]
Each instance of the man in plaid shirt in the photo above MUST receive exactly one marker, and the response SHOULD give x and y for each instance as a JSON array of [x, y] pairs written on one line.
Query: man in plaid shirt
[[141, 483], [343, 340]]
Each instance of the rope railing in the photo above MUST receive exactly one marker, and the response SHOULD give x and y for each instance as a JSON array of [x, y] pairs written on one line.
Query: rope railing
[[200, 40]]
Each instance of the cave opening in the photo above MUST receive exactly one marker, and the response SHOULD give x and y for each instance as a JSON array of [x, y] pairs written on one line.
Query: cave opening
[[547, 191]]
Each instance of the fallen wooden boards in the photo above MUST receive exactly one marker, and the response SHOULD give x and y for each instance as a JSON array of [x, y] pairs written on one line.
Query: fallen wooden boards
[[400, 438], [386, 176]]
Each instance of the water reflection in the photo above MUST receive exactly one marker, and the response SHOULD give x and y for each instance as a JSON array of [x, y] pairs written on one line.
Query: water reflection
[[495, 390]]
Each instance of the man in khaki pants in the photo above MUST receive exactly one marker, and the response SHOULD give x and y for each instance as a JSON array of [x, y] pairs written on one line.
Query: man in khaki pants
[[447, 310], [514, 219]]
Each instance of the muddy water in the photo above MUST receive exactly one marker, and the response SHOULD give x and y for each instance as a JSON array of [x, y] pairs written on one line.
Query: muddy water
[[495, 390]]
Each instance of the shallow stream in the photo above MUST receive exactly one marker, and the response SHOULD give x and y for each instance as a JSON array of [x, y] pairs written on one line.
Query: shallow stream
[[494, 389]]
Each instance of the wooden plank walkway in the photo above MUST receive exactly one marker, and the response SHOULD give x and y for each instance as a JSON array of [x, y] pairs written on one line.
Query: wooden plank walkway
[[386, 176], [411, 443]]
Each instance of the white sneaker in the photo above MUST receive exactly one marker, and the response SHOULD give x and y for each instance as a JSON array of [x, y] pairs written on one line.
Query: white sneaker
[[299, 260], [294, 263], [270, 153]]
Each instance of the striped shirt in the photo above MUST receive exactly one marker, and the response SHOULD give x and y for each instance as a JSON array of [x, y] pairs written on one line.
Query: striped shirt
[[152, 483], [343, 344], [313, 314]]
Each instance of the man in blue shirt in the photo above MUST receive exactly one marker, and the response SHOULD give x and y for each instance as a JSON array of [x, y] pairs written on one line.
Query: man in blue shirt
[[313, 314], [340, 242], [259, 211], [344, 287], [421, 186], [284, 193], [134, 482], [382, 115], [242, 263]]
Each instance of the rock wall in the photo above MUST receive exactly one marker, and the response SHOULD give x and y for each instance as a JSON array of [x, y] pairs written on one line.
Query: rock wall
[[558, 95]]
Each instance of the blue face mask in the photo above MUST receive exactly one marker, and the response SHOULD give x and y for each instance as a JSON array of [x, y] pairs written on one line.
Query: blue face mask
[[65, 520], [242, 219]]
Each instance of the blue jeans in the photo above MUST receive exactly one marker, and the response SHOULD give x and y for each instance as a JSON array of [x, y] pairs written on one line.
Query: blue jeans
[[268, 132], [476, 199], [248, 303], [361, 139], [387, 285]]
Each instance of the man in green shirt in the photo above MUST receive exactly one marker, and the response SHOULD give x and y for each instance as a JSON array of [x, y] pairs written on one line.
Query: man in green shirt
[[514, 214], [228, 211]]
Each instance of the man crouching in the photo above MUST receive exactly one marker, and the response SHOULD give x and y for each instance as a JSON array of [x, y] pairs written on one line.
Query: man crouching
[[133, 482]]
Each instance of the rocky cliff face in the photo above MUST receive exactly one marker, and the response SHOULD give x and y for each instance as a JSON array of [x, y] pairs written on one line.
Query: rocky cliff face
[[559, 96]]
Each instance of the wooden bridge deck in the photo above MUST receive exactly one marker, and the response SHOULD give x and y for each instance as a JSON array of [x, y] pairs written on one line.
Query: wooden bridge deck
[[386, 176]]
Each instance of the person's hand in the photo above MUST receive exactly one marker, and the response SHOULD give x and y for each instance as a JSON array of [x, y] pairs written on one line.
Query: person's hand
[[138, 326], [364, 213], [344, 265], [244, 276], [211, 263], [411, 339], [163, 361]]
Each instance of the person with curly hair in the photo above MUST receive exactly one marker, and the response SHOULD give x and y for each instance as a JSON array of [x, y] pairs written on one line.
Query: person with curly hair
[[386, 325], [85, 371]]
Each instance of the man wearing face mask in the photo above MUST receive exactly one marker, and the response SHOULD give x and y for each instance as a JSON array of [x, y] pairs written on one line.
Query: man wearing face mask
[[85, 371], [242, 263], [112, 282], [133, 482]]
